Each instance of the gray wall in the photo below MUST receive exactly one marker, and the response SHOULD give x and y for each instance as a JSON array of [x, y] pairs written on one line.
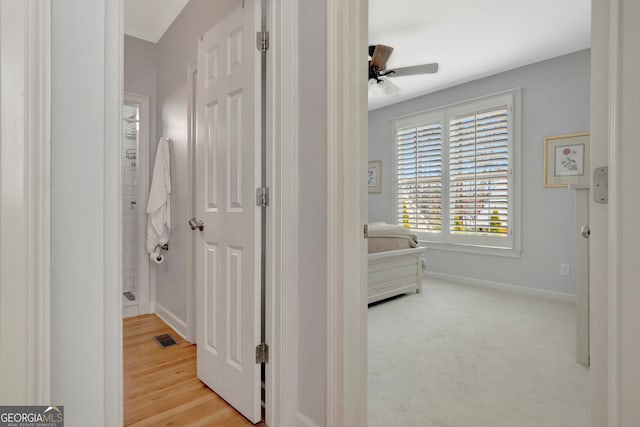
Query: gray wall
[[555, 100], [78, 201], [176, 49], [312, 243]]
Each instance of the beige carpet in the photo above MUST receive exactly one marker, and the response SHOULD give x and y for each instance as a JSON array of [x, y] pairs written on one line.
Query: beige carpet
[[460, 356]]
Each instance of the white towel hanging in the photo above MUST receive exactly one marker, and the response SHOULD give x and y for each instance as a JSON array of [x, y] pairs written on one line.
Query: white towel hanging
[[159, 206]]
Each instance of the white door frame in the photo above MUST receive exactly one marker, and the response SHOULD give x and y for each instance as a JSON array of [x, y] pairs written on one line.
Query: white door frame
[[623, 179], [28, 312], [282, 214], [614, 382], [347, 127], [39, 121], [281, 384], [142, 195], [113, 95], [604, 399], [192, 70], [610, 400]]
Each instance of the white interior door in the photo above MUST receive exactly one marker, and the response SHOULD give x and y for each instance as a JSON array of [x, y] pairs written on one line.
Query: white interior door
[[228, 248]]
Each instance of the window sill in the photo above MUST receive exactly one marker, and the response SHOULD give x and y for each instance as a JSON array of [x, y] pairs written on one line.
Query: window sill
[[472, 249]]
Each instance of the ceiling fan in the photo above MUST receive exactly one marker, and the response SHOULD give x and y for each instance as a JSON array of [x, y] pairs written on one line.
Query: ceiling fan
[[379, 74]]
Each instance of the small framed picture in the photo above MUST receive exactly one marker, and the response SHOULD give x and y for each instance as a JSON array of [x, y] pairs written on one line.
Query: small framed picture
[[374, 176], [566, 160]]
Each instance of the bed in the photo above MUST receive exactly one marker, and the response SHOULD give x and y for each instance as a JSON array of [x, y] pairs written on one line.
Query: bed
[[395, 261]]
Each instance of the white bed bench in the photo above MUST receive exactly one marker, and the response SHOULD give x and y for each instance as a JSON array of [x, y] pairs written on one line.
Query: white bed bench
[[394, 272]]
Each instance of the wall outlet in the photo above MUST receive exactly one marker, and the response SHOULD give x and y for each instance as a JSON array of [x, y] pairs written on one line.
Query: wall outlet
[[564, 269]]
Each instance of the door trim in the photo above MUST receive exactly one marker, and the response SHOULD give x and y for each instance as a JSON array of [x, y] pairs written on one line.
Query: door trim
[[281, 329], [344, 380], [604, 328], [192, 70], [624, 234], [282, 281], [37, 137], [112, 225], [347, 119], [614, 402]]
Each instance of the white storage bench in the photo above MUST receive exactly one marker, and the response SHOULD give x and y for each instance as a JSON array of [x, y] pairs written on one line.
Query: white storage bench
[[395, 272]]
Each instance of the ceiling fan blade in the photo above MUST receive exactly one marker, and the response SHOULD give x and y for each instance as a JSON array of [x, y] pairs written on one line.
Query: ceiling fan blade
[[412, 71], [380, 56]]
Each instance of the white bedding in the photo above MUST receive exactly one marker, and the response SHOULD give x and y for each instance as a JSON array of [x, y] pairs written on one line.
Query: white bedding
[[382, 229]]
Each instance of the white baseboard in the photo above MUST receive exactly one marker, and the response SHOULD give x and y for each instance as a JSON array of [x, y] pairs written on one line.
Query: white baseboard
[[304, 421], [171, 320], [130, 311], [541, 293]]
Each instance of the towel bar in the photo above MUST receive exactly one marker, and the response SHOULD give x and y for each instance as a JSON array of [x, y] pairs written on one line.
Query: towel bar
[[164, 247]]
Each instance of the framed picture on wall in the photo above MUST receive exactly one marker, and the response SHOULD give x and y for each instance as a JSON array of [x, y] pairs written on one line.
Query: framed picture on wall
[[374, 176], [566, 160]]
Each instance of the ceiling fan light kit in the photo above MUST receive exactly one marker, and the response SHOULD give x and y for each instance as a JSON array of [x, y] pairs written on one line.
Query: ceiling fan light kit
[[383, 86]]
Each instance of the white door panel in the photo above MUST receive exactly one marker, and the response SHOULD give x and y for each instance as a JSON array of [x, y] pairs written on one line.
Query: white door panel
[[228, 249]]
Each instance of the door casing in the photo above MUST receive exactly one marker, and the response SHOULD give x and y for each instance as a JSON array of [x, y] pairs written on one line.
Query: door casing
[[25, 202]]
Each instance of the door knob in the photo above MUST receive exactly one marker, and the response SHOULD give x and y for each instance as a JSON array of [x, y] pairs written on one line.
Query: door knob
[[196, 223], [586, 231]]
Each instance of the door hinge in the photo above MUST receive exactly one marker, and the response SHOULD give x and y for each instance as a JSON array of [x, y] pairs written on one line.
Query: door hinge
[[262, 41], [262, 353], [262, 197], [366, 231]]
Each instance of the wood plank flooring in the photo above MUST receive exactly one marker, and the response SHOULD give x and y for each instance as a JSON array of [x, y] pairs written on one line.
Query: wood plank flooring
[[160, 385]]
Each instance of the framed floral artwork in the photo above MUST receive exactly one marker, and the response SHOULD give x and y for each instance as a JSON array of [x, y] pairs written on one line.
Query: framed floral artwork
[[566, 160], [374, 176]]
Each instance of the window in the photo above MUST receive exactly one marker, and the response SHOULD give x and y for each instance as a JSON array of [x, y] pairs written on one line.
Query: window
[[455, 173], [419, 173]]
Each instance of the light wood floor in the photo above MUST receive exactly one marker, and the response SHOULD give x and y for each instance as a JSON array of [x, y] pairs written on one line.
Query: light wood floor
[[160, 385]]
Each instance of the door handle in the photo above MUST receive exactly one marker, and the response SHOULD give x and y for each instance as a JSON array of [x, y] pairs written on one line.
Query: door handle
[[196, 223], [586, 231]]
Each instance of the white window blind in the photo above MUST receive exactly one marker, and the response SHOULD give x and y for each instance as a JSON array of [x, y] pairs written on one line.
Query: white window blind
[[479, 173], [419, 177], [457, 175]]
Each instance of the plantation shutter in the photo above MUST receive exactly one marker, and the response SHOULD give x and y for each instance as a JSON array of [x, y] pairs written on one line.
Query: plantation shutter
[[419, 177], [479, 173]]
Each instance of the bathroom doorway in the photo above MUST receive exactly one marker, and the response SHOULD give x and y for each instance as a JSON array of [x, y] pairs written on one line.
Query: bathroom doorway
[[134, 164]]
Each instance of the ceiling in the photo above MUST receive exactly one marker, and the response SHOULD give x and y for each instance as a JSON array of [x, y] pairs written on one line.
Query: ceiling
[[149, 19], [470, 39]]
